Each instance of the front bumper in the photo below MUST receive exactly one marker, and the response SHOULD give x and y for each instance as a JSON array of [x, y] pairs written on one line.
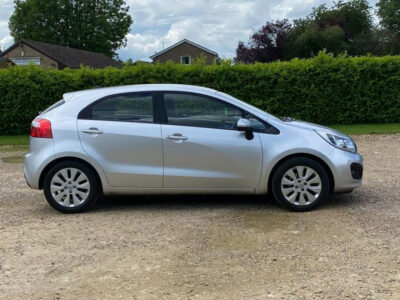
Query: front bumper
[[347, 170]]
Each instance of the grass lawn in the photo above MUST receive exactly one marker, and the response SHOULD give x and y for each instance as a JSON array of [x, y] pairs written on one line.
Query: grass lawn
[[21, 140], [13, 148], [14, 140]]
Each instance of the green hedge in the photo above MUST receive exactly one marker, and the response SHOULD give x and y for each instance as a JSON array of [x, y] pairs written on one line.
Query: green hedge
[[324, 89]]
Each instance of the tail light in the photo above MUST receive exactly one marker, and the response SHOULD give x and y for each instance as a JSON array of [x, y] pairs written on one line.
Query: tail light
[[41, 128]]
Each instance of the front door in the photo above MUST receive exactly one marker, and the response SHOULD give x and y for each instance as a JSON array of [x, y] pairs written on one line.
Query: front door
[[202, 148], [120, 134]]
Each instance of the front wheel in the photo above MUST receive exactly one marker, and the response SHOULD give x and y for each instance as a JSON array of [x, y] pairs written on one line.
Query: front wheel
[[71, 187], [300, 184]]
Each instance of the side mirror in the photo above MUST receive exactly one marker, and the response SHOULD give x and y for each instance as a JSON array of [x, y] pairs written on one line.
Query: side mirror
[[245, 125]]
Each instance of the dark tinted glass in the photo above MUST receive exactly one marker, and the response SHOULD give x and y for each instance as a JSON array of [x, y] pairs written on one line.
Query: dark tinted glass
[[128, 108], [255, 123], [199, 111]]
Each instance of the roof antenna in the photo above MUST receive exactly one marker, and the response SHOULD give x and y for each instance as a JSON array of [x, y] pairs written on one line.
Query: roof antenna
[[163, 45]]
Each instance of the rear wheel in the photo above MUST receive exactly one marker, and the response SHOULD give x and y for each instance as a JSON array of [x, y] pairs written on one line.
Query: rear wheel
[[300, 184], [71, 187]]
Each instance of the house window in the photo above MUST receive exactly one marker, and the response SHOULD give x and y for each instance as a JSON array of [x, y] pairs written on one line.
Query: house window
[[25, 61], [186, 60]]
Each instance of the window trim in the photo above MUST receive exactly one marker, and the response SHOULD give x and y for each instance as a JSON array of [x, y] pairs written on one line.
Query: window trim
[[83, 114], [164, 117], [190, 59]]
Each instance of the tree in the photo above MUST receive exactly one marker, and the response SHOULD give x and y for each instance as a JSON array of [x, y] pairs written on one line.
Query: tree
[[94, 25], [129, 62], [343, 27], [265, 45], [389, 13], [315, 39], [353, 17]]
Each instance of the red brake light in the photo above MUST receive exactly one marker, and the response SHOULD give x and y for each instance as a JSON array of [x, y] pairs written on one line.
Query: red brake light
[[41, 128]]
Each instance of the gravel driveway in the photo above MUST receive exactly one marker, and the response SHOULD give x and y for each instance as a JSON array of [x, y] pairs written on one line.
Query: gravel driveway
[[206, 247]]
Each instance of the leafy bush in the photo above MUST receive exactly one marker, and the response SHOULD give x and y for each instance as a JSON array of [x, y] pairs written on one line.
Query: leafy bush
[[324, 89]]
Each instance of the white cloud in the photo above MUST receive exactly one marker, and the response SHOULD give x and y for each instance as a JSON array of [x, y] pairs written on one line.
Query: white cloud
[[216, 24], [6, 41]]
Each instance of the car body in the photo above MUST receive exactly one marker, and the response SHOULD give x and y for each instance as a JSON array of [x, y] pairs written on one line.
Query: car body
[[167, 138]]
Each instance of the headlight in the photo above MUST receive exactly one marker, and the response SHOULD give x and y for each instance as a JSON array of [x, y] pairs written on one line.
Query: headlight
[[337, 140]]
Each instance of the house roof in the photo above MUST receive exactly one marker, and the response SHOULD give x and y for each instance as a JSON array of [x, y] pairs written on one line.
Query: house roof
[[181, 42], [68, 57], [4, 60]]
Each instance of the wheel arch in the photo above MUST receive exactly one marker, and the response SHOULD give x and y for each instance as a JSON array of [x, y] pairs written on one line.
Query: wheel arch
[[307, 155], [69, 158]]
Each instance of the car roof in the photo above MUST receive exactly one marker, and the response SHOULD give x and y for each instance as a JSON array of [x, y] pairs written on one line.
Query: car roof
[[102, 92], [85, 97]]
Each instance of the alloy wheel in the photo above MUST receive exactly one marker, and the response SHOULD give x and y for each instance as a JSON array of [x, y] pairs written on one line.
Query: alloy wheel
[[70, 187], [301, 185]]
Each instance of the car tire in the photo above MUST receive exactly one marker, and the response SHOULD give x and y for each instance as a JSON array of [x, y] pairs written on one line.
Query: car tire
[[300, 184], [71, 187]]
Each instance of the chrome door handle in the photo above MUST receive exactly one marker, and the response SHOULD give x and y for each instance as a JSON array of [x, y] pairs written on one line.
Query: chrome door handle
[[177, 137], [92, 130]]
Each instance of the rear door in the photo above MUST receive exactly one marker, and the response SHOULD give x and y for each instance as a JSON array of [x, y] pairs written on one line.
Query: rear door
[[120, 133], [202, 148]]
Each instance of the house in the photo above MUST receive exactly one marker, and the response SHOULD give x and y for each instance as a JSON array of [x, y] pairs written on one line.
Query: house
[[5, 62], [184, 52], [25, 52]]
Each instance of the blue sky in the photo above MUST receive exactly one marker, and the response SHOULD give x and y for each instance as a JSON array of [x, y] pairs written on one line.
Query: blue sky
[[216, 24]]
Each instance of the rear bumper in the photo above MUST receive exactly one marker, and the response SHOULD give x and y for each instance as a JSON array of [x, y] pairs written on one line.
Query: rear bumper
[[41, 151], [30, 172], [27, 182]]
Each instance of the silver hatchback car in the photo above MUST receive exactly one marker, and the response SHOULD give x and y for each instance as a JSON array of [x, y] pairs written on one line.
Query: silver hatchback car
[[165, 138]]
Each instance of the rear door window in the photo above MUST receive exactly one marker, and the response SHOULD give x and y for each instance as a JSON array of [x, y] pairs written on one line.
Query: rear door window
[[123, 108]]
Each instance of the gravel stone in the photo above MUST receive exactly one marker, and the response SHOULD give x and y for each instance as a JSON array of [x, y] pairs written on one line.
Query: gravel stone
[[184, 247]]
